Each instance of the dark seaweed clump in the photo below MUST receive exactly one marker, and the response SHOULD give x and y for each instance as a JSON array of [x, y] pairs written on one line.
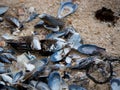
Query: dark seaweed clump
[[106, 15]]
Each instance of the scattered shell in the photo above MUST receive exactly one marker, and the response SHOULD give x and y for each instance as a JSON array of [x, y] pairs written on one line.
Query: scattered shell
[[66, 8], [115, 84], [91, 49], [3, 9], [54, 81]]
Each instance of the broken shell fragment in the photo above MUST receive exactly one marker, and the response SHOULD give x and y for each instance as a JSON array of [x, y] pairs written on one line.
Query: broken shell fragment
[[73, 43], [35, 44], [14, 21], [59, 55], [32, 17], [39, 24], [66, 8], [4, 69], [3, 9], [50, 46], [17, 76], [84, 63], [54, 35], [29, 67]]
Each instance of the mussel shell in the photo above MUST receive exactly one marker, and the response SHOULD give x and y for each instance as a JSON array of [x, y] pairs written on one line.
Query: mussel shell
[[50, 20], [1, 49], [39, 24], [73, 38], [17, 76], [32, 17], [11, 51], [6, 78], [115, 84], [4, 70], [5, 60], [38, 71], [75, 44], [9, 56], [76, 87], [39, 66], [84, 63], [45, 61], [55, 35], [54, 81], [69, 5], [90, 49], [52, 28], [59, 55], [14, 21], [40, 85], [3, 9]]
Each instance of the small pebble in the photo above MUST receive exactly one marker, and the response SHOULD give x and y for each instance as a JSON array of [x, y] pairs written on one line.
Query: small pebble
[[1, 19]]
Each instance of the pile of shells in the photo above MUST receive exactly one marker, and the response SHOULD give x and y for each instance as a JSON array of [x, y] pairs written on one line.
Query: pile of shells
[[61, 66]]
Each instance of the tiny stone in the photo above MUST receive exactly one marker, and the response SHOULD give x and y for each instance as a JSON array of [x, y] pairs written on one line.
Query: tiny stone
[[1, 19], [31, 10]]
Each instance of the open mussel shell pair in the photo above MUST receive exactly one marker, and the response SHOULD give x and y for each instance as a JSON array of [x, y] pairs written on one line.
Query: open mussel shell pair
[[69, 5]]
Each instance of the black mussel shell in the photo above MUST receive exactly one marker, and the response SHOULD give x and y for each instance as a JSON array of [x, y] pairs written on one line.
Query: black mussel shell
[[91, 49]]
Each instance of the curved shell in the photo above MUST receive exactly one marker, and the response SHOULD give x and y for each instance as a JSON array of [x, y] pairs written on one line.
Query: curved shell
[[50, 20], [3, 9], [14, 21], [40, 85], [52, 28], [17, 76], [90, 49], [115, 84], [54, 81], [59, 55], [71, 7]]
